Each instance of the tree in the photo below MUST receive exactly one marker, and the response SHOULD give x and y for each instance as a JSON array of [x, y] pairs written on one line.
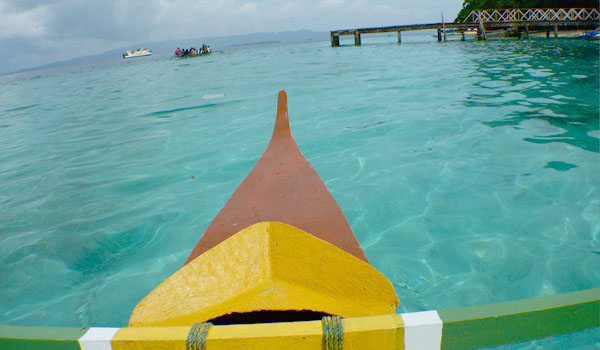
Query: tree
[[470, 5]]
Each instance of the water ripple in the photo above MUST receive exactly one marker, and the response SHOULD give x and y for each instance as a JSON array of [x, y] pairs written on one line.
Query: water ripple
[[467, 180]]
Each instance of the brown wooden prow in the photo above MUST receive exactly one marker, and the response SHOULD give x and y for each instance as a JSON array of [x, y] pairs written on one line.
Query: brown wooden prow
[[283, 186]]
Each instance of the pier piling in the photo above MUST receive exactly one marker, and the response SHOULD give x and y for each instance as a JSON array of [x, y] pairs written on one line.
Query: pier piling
[[443, 27], [481, 30], [357, 38], [335, 40]]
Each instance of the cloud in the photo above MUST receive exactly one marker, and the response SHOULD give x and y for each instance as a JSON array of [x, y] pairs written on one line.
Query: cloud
[[60, 27], [22, 21]]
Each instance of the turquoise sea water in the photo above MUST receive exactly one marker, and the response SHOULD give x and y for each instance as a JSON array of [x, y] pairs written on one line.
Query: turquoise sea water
[[469, 171]]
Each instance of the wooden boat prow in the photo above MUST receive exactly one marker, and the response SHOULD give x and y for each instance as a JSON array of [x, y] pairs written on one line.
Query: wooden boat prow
[[280, 249], [283, 186], [267, 271]]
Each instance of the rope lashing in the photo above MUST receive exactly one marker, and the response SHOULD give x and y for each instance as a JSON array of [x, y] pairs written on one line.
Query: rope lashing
[[333, 333], [196, 339]]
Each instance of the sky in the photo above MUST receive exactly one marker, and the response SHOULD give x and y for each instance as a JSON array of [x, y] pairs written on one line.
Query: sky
[[34, 32]]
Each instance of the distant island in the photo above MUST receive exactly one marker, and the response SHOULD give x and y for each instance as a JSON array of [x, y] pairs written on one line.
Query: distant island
[[167, 47]]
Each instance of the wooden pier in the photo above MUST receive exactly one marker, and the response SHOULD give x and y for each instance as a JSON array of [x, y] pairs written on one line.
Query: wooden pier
[[521, 21]]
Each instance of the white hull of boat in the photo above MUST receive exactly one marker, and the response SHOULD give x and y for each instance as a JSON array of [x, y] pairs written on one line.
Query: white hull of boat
[[137, 53], [134, 56]]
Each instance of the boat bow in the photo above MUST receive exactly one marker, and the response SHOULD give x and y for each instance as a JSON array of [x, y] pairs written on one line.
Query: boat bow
[[281, 245], [283, 186]]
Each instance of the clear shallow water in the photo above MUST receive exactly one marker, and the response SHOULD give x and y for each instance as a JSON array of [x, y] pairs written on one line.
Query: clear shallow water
[[468, 171]]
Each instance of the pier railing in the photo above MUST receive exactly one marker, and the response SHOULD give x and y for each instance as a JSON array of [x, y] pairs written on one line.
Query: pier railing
[[533, 15]]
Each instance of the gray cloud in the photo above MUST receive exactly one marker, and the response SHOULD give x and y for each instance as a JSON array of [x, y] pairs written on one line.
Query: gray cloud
[[26, 5], [38, 32]]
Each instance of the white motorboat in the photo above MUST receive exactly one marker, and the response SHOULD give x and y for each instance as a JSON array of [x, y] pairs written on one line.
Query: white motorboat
[[137, 53]]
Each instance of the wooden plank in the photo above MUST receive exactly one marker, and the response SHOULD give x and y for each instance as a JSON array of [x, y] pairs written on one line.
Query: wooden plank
[[98, 338], [400, 28], [463, 328], [488, 25], [50, 338], [521, 320], [375, 332]]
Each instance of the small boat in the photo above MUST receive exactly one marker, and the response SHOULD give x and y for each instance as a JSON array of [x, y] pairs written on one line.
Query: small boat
[[279, 250], [591, 35], [137, 53], [196, 54]]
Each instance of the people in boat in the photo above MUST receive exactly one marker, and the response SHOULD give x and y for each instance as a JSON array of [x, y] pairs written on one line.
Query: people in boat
[[205, 49], [192, 51]]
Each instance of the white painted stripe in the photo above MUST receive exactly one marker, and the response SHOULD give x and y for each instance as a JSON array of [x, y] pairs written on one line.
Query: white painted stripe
[[422, 330], [98, 338]]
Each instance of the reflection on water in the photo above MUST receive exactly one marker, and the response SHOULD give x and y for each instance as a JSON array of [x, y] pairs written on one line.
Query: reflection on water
[[575, 131], [560, 166], [523, 79], [464, 168]]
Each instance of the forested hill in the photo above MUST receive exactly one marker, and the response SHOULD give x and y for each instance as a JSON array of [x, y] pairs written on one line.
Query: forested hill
[[470, 5]]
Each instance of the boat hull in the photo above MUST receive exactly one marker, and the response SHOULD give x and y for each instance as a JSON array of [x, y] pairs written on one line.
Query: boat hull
[[283, 186], [135, 56], [192, 56]]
